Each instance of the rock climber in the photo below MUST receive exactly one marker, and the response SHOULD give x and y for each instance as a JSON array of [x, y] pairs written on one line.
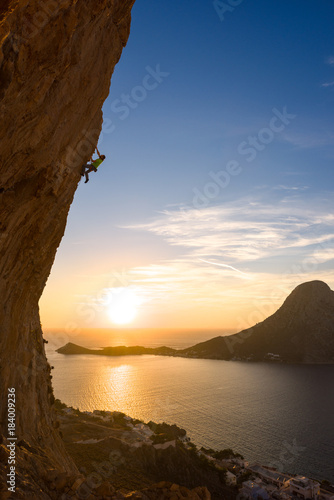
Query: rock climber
[[92, 166]]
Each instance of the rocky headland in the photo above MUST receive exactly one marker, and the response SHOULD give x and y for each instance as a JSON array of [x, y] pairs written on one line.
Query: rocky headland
[[117, 458], [301, 331]]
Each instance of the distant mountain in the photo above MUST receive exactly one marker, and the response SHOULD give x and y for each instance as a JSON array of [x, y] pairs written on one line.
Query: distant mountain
[[71, 348], [116, 351], [301, 331]]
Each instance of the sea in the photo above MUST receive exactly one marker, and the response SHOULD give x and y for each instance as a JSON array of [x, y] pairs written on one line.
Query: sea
[[273, 414]]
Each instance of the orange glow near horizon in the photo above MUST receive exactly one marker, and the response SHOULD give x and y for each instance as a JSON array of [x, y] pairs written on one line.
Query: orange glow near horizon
[[138, 306], [229, 305], [193, 268]]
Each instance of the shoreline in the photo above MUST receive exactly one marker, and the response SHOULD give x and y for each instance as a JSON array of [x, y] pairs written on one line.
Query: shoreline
[[140, 435], [117, 351]]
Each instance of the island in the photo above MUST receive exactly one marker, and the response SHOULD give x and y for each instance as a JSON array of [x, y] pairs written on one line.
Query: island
[[300, 331]]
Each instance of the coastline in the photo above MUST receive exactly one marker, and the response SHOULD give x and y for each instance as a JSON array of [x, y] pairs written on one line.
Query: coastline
[[189, 353], [223, 472]]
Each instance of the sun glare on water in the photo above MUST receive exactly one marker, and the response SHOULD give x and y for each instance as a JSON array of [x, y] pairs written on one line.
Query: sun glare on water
[[123, 305]]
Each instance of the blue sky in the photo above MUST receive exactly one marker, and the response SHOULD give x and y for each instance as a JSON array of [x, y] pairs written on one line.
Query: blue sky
[[243, 94]]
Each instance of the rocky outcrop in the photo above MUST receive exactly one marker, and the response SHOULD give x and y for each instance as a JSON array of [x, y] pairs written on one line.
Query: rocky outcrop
[[36, 480], [302, 331], [170, 491], [122, 454], [56, 61]]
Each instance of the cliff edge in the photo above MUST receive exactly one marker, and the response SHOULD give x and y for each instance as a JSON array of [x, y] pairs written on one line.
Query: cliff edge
[[56, 61]]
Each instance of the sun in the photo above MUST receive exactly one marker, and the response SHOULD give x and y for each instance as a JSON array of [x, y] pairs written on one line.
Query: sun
[[123, 305]]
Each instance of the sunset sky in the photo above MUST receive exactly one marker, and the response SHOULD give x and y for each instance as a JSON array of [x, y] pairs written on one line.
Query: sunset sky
[[216, 197]]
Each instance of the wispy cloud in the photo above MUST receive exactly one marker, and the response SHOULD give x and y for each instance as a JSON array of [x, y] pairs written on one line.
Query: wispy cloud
[[324, 255], [282, 187], [239, 251], [226, 266], [243, 231], [309, 140], [330, 61], [327, 84]]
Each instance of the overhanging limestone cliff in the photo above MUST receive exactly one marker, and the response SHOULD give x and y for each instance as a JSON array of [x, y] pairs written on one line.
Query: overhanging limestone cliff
[[56, 61]]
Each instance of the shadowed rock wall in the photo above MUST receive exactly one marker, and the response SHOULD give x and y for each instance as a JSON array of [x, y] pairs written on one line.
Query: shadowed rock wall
[[56, 61]]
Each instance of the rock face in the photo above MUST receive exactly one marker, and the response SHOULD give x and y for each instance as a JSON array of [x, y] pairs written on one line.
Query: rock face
[[56, 61], [165, 490], [302, 330]]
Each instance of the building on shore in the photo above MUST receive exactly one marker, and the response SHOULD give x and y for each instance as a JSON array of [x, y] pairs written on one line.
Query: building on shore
[[304, 488], [270, 475], [253, 491], [280, 485], [231, 478]]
